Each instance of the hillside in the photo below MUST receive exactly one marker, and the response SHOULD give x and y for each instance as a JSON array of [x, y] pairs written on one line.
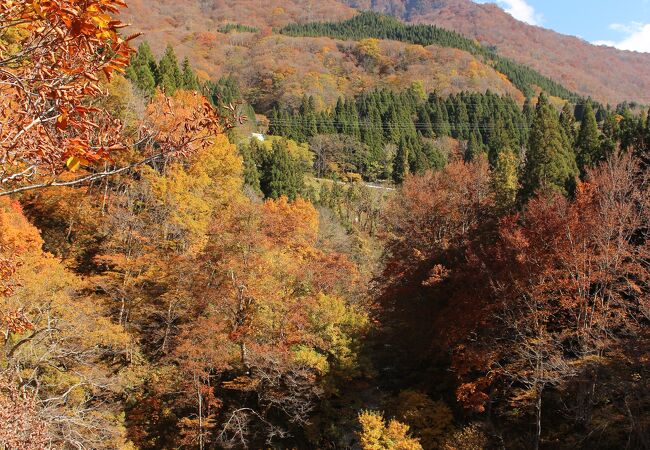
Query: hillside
[[277, 68], [371, 25], [578, 65]]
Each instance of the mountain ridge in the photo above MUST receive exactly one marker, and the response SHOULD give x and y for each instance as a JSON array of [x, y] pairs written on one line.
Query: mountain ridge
[[192, 26], [577, 64]]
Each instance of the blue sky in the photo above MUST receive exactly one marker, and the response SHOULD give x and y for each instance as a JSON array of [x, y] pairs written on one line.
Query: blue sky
[[623, 24]]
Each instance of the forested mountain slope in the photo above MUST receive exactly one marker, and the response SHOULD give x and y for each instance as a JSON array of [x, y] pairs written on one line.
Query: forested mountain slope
[[575, 63], [276, 68], [193, 28]]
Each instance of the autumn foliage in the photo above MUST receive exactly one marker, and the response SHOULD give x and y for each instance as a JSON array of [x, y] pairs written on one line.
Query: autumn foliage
[[168, 282], [55, 57], [51, 55], [552, 298]]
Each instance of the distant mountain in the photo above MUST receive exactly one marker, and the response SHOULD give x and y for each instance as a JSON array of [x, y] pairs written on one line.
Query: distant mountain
[[605, 73], [290, 66]]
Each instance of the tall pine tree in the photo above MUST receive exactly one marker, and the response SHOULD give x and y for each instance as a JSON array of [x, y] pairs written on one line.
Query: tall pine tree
[[550, 161], [401, 163], [142, 70], [588, 142], [190, 80], [170, 76], [568, 123]]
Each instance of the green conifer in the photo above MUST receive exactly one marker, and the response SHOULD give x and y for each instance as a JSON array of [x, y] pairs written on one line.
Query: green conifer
[[568, 123], [281, 174], [401, 163], [588, 141], [170, 77], [550, 162], [190, 80]]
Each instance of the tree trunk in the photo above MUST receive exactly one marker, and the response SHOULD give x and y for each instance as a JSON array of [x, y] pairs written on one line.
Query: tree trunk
[[538, 418], [200, 398]]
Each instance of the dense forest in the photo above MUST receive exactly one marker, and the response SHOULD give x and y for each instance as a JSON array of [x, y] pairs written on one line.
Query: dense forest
[[404, 269]]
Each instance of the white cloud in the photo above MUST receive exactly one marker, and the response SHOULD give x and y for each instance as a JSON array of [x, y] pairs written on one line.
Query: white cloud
[[637, 37], [520, 10]]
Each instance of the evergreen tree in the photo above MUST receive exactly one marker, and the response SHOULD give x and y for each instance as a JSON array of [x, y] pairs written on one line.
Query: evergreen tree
[[550, 162], [275, 126], [393, 127], [629, 130], [142, 70], [579, 110], [308, 114], [250, 172], [190, 80], [420, 162], [588, 142], [424, 122], [601, 114], [142, 78], [501, 139], [529, 111], [647, 129], [437, 159], [439, 117], [568, 123], [224, 91], [281, 174], [608, 137], [377, 118], [461, 120], [170, 77], [643, 148], [146, 57], [401, 164], [474, 146]]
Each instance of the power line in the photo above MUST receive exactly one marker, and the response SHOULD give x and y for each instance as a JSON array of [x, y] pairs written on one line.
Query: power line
[[404, 125]]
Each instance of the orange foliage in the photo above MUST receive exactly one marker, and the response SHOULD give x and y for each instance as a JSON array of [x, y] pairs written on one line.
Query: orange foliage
[[20, 426], [290, 224], [50, 65], [16, 238], [435, 211]]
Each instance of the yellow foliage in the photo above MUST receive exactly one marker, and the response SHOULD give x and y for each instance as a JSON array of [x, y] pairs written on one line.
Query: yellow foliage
[[310, 357], [122, 102], [416, 53], [335, 323], [430, 421], [469, 438], [187, 197], [505, 181], [298, 151], [369, 48], [377, 435]]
